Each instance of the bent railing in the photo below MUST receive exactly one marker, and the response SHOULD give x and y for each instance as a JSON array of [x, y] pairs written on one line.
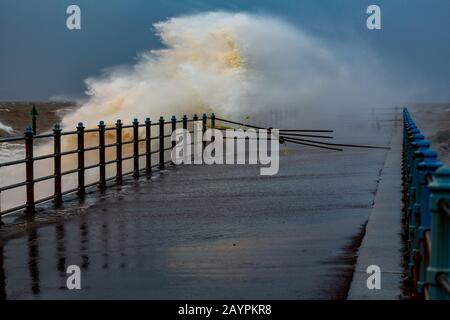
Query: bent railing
[[112, 137], [426, 203], [141, 139]]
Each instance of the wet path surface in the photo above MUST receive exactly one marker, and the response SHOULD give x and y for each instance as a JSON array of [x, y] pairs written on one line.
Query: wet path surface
[[209, 232]]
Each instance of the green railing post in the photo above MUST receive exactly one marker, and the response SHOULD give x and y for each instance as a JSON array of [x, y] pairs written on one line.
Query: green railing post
[[420, 146], [423, 216], [135, 148], [417, 143], [148, 146], [101, 153], [119, 173], [440, 252], [57, 165], [34, 114], [29, 167], [413, 135], [80, 153]]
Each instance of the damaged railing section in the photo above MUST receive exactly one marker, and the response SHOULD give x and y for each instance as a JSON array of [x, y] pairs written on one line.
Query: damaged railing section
[[110, 138], [426, 203]]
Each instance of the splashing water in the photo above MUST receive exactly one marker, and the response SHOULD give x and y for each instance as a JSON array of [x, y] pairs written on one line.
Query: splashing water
[[232, 64], [5, 128]]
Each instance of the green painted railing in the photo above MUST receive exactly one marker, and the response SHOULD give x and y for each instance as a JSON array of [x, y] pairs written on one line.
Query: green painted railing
[[426, 199]]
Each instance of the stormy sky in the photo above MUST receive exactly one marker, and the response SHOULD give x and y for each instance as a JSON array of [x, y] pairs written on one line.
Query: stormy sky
[[41, 59]]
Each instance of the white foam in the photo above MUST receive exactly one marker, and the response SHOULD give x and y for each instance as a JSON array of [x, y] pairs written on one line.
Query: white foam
[[5, 128]]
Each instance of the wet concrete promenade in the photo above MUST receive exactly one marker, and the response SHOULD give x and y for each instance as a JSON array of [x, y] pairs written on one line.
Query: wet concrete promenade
[[211, 232]]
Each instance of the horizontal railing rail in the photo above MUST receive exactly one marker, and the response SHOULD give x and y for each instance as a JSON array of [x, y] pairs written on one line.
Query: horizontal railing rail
[[29, 142], [426, 199], [104, 147], [285, 135]]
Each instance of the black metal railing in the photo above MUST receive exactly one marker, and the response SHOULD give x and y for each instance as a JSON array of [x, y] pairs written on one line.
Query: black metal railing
[[29, 140]]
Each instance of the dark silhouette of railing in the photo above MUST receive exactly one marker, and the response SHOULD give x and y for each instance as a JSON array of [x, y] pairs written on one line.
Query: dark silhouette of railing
[[29, 139], [426, 204], [296, 136]]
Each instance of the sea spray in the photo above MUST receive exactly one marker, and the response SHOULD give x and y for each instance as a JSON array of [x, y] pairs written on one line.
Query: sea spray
[[234, 64], [6, 129]]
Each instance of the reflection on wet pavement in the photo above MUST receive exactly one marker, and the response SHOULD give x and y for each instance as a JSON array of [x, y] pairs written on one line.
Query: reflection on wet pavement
[[206, 232], [33, 255]]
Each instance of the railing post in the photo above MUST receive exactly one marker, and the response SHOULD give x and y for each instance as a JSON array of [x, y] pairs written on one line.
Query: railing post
[[413, 145], [195, 142], [101, 153], [412, 133], [440, 226], [174, 127], [213, 120], [57, 165], [148, 146], [185, 127], [204, 119], [34, 114], [423, 216], [213, 125], [161, 143], [80, 137], [119, 151], [135, 148], [419, 147], [185, 122], [29, 166]]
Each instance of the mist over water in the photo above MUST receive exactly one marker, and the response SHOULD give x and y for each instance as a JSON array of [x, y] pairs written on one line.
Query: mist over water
[[234, 64]]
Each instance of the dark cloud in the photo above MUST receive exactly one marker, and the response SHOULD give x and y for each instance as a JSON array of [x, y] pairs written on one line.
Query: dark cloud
[[40, 58]]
